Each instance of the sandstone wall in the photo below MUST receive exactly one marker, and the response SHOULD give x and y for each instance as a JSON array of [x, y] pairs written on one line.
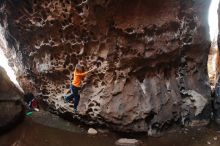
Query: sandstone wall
[[151, 58]]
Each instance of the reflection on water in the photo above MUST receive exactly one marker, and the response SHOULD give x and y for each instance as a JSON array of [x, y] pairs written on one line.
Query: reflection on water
[[44, 129]]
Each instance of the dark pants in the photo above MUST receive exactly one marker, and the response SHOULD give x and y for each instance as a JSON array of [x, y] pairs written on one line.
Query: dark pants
[[74, 95]]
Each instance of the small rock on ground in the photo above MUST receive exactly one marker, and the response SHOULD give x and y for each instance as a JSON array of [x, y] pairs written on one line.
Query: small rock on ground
[[127, 142], [92, 131]]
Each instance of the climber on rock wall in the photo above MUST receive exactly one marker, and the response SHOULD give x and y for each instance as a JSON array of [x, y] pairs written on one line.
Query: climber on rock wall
[[78, 75], [31, 102]]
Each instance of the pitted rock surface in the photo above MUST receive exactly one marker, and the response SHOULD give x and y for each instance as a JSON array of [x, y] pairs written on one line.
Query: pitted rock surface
[[151, 58]]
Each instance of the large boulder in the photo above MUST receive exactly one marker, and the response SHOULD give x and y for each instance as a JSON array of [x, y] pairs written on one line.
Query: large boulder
[[151, 57], [11, 107]]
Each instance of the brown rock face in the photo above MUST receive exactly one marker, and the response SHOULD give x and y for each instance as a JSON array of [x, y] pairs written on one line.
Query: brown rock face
[[151, 58], [10, 103], [217, 86]]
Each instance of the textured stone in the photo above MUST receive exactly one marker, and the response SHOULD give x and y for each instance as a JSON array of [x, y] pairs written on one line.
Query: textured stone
[[92, 131], [151, 58], [11, 106], [217, 101], [217, 85], [127, 142]]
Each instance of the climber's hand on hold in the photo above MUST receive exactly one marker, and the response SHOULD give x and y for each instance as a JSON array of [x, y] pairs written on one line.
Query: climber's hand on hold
[[94, 68]]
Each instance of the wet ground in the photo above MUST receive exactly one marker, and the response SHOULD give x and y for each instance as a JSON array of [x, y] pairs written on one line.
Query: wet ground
[[45, 129]]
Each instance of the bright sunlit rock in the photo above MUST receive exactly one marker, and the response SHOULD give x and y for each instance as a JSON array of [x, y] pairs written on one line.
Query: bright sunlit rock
[[4, 62], [213, 19], [213, 26]]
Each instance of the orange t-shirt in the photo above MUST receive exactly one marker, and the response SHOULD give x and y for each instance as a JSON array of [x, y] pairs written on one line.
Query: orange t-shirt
[[77, 77]]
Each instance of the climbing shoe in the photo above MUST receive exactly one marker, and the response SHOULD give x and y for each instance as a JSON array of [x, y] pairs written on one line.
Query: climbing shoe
[[65, 99], [75, 111]]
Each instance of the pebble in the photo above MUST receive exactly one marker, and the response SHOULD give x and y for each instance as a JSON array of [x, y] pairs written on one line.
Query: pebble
[[127, 142], [92, 131], [208, 142], [215, 138]]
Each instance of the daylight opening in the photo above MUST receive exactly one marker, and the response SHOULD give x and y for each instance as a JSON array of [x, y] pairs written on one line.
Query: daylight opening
[[213, 54], [4, 61]]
